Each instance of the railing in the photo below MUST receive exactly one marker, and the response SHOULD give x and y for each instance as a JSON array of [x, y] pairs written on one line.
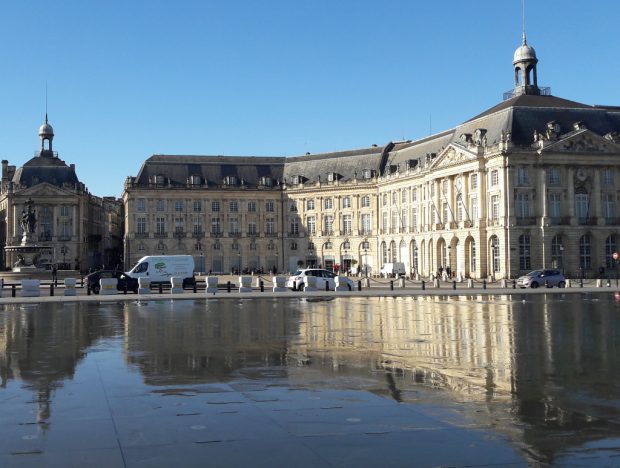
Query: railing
[[526, 221], [161, 235], [251, 234], [216, 234], [543, 91], [293, 234], [271, 234], [45, 237], [142, 235], [328, 233], [234, 234], [64, 238], [198, 234]]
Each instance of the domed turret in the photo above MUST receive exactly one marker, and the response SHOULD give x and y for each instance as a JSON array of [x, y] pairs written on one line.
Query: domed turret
[[46, 133], [524, 61]]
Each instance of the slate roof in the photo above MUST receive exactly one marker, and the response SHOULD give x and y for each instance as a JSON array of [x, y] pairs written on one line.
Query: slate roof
[[41, 169]]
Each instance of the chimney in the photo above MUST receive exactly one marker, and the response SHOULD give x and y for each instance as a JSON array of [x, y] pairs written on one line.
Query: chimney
[[5, 170]]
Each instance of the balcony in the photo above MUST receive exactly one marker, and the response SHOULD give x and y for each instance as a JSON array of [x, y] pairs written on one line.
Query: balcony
[[251, 234], [64, 238], [161, 235], [439, 227], [293, 234], [234, 234], [216, 234], [526, 221], [142, 235], [179, 234], [271, 234], [328, 232], [198, 234], [45, 237]]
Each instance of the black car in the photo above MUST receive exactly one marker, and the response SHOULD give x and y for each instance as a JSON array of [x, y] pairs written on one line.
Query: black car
[[92, 280]]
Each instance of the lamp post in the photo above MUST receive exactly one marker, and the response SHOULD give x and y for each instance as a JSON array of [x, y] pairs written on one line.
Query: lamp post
[[448, 262], [366, 259], [415, 259], [63, 251], [562, 257]]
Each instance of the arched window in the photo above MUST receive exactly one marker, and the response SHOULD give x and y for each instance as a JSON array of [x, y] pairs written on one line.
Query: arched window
[[611, 246], [495, 259], [585, 252], [525, 262], [557, 252], [384, 252]]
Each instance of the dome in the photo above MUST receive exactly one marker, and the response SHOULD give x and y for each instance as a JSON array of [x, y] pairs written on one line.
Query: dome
[[46, 129], [525, 53]]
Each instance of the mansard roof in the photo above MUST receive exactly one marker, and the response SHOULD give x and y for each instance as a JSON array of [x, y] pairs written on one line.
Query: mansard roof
[[212, 169], [42, 168]]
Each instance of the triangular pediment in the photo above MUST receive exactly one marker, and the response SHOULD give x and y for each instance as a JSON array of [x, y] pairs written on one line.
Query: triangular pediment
[[582, 141], [44, 190], [452, 156]]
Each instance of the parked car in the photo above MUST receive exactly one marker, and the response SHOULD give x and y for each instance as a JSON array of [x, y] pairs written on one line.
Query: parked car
[[296, 281], [543, 278], [92, 280]]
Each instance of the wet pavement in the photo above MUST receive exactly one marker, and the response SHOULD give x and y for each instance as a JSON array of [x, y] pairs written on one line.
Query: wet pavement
[[358, 381]]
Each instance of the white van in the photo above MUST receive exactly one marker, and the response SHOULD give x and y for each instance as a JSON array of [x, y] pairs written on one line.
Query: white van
[[393, 269], [160, 268]]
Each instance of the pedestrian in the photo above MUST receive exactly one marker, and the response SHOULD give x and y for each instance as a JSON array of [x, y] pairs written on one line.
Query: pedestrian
[[54, 275]]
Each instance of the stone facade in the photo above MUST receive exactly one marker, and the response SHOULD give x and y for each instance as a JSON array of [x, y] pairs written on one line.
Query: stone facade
[[533, 181], [83, 231]]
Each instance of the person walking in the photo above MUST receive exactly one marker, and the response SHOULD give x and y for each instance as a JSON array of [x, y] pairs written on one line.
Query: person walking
[[54, 275]]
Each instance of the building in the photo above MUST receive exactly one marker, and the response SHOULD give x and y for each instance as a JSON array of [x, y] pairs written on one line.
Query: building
[[83, 231], [533, 181]]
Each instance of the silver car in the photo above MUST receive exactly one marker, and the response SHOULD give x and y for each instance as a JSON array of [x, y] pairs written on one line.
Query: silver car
[[296, 281], [544, 278]]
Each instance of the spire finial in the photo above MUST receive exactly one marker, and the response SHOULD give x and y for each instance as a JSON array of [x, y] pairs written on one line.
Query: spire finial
[[46, 102], [523, 20]]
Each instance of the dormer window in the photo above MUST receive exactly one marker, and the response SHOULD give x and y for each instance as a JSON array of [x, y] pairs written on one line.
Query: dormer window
[[158, 179], [265, 181], [332, 176], [195, 180], [367, 174], [230, 180]]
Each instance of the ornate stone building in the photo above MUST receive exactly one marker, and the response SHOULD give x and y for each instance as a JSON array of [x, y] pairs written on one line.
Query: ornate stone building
[[83, 231], [533, 181]]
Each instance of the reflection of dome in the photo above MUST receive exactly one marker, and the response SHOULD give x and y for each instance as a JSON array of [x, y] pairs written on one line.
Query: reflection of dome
[[46, 129]]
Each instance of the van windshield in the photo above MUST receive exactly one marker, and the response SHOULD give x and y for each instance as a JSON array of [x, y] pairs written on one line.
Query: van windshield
[[140, 268]]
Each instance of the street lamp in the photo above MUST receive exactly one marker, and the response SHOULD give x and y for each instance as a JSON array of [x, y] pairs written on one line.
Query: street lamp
[[63, 251], [562, 257]]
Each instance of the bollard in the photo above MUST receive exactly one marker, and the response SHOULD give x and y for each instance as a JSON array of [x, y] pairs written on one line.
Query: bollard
[[195, 287], [453, 284], [391, 285], [294, 286], [161, 289], [227, 286], [52, 289], [608, 283], [359, 285], [262, 286], [12, 290], [88, 291], [423, 285], [484, 284], [326, 285], [581, 283], [125, 288], [547, 285], [514, 284]]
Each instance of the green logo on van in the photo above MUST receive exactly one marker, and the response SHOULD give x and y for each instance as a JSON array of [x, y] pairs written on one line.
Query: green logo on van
[[160, 266]]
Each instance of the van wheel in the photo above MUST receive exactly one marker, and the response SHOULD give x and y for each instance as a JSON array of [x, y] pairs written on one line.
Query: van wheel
[[301, 287], [349, 286], [96, 288], [561, 284], [534, 285]]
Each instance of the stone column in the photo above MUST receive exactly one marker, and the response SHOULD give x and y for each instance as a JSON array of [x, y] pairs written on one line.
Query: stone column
[[571, 195]]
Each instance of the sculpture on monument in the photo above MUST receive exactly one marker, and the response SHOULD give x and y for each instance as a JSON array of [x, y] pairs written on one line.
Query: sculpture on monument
[[29, 218], [26, 256]]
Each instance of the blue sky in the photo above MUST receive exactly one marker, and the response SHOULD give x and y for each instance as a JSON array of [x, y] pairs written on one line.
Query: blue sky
[[128, 79]]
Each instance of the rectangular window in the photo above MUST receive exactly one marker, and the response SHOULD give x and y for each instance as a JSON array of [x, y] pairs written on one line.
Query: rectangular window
[[474, 181], [215, 206], [251, 207], [216, 226], [160, 225], [141, 225], [197, 206], [494, 177], [160, 205], [197, 226], [252, 229], [310, 204], [495, 207], [554, 205], [294, 207], [553, 176], [234, 225], [459, 208], [233, 206], [608, 176], [366, 224], [446, 213], [414, 195], [65, 230], [269, 206], [178, 205], [346, 202], [270, 226], [295, 225], [523, 206], [311, 223], [140, 206], [328, 204], [365, 201], [179, 225], [384, 221], [329, 224], [608, 206], [414, 219], [523, 179], [403, 196], [347, 224]]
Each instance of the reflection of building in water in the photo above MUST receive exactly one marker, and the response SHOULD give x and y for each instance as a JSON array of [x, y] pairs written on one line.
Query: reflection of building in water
[[463, 348], [42, 347], [178, 343]]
